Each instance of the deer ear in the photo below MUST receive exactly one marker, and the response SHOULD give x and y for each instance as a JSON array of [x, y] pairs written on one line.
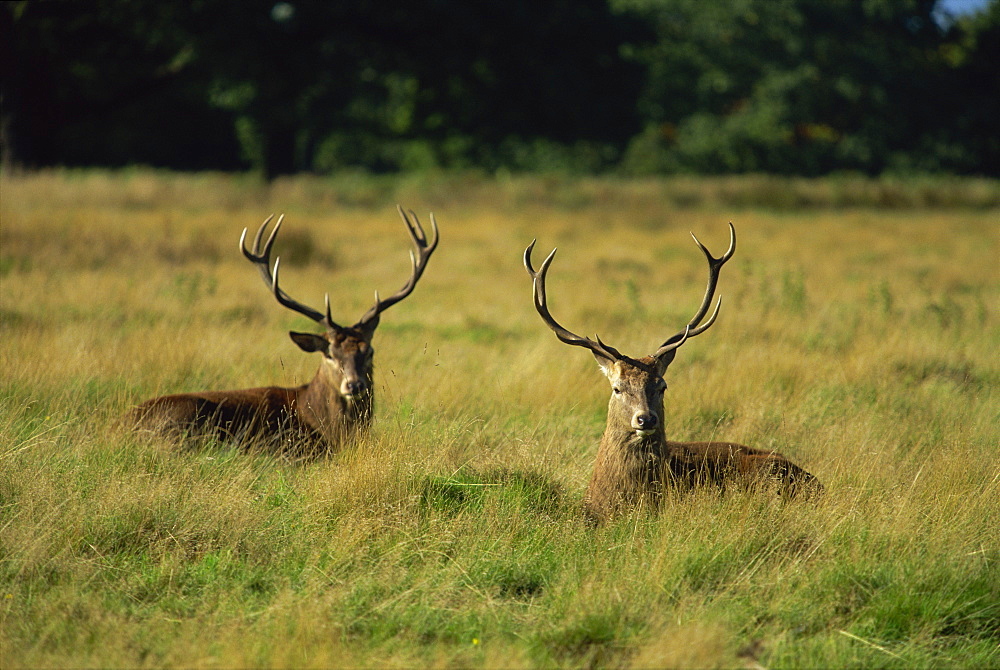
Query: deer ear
[[664, 360], [309, 341], [605, 363]]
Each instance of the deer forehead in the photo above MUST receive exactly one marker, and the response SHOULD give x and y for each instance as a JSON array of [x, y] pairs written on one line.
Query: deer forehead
[[349, 343], [346, 349], [630, 373]]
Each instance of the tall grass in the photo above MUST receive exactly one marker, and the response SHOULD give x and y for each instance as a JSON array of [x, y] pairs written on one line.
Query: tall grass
[[858, 339]]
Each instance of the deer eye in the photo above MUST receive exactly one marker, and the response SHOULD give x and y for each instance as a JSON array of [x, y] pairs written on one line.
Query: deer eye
[[616, 389]]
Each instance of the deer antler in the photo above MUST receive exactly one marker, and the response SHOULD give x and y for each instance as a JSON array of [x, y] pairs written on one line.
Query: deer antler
[[262, 259], [418, 263], [541, 306], [692, 328]]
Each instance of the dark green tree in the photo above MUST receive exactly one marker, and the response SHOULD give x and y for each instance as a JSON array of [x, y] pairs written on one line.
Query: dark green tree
[[106, 83], [796, 86], [974, 129], [290, 86], [785, 86]]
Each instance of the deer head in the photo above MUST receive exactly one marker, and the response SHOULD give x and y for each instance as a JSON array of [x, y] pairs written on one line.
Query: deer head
[[347, 351], [637, 385]]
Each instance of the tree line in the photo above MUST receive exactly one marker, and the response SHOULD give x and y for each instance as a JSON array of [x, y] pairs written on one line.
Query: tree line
[[640, 87]]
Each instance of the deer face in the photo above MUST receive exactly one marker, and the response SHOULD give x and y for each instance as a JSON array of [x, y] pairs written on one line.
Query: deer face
[[637, 389], [347, 352], [637, 385], [347, 360]]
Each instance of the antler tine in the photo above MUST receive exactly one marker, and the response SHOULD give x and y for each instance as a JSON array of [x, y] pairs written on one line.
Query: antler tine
[[541, 306], [672, 344], [714, 268], [416, 230], [295, 305], [261, 257], [418, 263], [705, 326], [329, 317]]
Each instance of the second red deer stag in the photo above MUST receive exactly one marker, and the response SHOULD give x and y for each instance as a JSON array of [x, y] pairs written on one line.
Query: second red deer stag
[[636, 460], [303, 421]]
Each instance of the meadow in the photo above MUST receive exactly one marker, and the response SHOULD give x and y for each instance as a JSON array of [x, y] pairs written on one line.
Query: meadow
[[858, 336]]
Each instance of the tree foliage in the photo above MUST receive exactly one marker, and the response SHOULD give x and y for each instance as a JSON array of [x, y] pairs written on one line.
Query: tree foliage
[[645, 86], [800, 87]]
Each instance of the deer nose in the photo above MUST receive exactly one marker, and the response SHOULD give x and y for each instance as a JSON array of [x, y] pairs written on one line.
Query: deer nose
[[352, 387], [644, 422]]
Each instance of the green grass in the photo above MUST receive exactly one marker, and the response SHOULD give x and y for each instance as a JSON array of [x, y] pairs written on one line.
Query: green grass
[[858, 335]]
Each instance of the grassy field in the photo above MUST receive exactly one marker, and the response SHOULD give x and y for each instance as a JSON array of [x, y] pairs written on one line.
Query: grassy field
[[859, 336]]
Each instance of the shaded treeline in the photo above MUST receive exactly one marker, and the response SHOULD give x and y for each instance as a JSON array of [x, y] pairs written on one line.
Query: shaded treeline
[[641, 86]]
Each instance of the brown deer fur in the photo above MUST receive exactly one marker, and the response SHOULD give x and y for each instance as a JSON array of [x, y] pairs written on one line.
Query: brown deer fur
[[304, 421], [636, 461]]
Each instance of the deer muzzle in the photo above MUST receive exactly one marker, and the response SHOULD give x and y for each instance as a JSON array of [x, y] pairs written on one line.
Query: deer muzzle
[[644, 423], [351, 389]]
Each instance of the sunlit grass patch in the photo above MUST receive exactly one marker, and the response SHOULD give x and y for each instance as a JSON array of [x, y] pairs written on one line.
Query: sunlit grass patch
[[856, 337]]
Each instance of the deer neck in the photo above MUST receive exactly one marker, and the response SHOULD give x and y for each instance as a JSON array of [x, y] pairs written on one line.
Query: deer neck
[[323, 407], [628, 466], [621, 442]]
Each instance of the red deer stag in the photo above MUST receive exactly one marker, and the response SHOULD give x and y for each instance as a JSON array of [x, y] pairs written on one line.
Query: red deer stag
[[636, 460], [305, 421]]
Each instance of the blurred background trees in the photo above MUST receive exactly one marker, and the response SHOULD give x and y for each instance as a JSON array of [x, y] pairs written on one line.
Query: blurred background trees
[[636, 86]]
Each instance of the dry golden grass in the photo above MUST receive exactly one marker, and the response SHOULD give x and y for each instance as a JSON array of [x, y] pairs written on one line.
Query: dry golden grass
[[859, 341]]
